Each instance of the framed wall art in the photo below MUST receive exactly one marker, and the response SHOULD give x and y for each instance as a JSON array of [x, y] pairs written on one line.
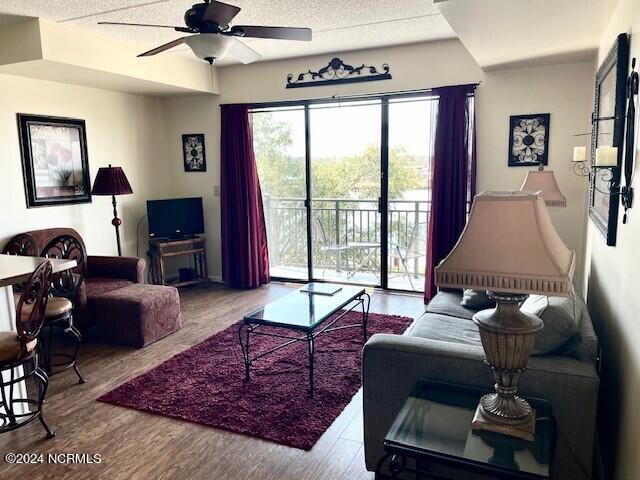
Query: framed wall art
[[55, 165], [608, 130], [195, 159], [529, 140]]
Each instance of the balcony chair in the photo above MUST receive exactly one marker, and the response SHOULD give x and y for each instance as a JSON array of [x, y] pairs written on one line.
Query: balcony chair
[[413, 249], [327, 247], [19, 357]]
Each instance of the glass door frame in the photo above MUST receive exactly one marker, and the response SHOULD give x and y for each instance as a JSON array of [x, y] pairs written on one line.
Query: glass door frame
[[383, 204]]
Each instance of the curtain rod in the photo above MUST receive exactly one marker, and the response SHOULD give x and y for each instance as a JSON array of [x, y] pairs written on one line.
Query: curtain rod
[[283, 103]]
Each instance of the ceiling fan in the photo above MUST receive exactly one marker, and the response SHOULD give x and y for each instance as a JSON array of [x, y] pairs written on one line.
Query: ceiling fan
[[214, 37]]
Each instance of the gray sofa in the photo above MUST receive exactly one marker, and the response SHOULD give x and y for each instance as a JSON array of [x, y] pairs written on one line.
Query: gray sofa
[[444, 345]]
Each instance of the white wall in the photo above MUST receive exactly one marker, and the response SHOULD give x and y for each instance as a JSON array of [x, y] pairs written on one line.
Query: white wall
[[144, 134], [566, 92], [614, 302], [122, 129], [563, 90]]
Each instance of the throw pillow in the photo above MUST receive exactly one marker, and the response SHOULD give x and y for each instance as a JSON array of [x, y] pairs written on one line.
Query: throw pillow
[[476, 300], [560, 316]]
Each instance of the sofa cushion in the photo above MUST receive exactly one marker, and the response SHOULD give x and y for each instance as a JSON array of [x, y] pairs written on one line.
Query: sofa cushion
[[96, 286], [560, 316], [448, 303], [447, 320], [446, 329], [476, 300]]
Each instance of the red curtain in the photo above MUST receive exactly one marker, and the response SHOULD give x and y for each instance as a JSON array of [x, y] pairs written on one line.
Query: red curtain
[[453, 181], [245, 256]]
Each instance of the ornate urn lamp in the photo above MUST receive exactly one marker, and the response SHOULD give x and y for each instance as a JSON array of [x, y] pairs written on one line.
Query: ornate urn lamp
[[510, 249]]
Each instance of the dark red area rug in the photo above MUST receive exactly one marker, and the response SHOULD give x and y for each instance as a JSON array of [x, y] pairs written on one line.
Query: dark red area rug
[[205, 384]]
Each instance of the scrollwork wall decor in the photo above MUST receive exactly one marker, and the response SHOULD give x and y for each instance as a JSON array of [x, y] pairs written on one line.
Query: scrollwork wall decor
[[529, 140], [337, 72]]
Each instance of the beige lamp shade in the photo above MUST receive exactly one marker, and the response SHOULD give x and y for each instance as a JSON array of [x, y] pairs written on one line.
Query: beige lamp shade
[[509, 245], [545, 181]]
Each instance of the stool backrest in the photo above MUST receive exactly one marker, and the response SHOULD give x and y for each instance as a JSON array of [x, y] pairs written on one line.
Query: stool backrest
[[22, 245], [68, 282], [32, 305]]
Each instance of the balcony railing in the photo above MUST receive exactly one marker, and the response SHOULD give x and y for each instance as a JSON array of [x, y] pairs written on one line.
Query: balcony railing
[[342, 222]]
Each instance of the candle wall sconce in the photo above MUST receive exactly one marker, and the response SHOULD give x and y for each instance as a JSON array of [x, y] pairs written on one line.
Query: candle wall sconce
[[605, 168], [606, 161]]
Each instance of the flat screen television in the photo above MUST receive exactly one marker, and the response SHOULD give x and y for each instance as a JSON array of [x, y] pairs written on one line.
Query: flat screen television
[[175, 218]]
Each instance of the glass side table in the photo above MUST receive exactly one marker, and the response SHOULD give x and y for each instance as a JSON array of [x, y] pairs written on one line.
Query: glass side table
[[433, 429]]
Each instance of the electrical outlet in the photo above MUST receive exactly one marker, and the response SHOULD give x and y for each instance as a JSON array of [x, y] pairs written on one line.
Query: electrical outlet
[[216, 190]]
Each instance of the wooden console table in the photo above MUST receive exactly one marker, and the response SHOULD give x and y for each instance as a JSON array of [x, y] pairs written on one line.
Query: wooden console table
[[159, 250]]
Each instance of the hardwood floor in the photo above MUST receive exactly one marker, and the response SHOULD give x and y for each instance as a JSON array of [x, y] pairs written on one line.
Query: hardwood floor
[[137, 445]]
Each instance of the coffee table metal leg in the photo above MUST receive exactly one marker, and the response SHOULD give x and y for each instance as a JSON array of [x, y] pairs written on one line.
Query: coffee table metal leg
[[244, 345], [381, 462], [312, 348], [365, 314]]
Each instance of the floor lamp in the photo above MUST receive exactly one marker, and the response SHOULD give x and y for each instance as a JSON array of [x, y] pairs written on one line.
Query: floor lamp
[[112, 181]]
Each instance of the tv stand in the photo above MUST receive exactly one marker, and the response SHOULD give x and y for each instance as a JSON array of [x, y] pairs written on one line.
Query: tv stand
[[161, 249]]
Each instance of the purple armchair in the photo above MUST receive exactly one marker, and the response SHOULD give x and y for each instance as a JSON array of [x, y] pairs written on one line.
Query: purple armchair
[[104, 274]]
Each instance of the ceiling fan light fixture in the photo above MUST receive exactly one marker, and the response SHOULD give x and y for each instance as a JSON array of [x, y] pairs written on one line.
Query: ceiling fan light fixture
[[209, 45]]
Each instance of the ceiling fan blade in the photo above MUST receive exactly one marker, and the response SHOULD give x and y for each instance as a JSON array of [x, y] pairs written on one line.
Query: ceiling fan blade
[[138, 25], [243, 53], [164, 47], [282, 33], [220, 13]]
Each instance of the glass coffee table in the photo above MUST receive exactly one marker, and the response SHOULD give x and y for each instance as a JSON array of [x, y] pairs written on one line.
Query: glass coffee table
[[433, 432], [305, 315]]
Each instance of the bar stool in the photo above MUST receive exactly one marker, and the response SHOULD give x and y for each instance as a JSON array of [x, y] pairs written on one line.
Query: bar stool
[[64, 287], [22, 245], [19, 357]]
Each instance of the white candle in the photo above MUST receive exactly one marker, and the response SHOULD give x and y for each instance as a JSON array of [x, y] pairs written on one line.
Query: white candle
[[606, 156], [579, 154]]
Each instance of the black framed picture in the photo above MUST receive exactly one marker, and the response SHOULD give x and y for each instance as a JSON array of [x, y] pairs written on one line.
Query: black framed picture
[[529, 140], [195, 159], [55, 164], [608, 130]]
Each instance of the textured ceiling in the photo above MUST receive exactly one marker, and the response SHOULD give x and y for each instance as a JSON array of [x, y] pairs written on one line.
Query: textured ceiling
[[337, 25], [498, 35]]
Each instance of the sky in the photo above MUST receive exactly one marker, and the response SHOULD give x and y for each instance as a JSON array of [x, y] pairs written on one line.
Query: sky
[[346, 128]]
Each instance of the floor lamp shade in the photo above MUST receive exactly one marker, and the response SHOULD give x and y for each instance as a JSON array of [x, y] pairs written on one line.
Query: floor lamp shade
[[509, 248], [112, 181], [545, 181]]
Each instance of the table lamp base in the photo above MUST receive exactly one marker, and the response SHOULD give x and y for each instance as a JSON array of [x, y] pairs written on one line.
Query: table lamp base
[[508, 337], [525, 430]]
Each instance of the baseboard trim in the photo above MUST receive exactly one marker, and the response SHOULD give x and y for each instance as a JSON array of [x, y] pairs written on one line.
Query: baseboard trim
[[215, 279]]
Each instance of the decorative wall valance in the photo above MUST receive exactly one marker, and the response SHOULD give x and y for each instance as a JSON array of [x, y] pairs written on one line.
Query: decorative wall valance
[[338, 72]]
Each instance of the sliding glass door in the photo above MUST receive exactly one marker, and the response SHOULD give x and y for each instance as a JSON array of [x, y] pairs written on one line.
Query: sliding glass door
[[345, 191], [279, 144], [345, 188], [411, 133]]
